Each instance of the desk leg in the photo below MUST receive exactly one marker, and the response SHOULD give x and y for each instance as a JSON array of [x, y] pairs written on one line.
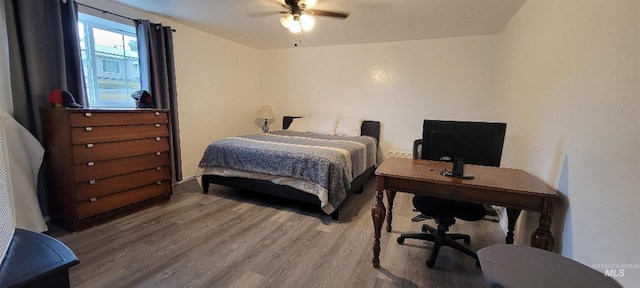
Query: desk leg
[[391, 195], [377, 214], [542, 237], [512, 218]]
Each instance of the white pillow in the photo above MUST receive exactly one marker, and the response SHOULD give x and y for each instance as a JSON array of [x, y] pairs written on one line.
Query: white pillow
[[349, 126], [325, 124], [299, 124]]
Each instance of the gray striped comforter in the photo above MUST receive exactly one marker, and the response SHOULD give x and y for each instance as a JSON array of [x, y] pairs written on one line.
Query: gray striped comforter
[[325, 163]]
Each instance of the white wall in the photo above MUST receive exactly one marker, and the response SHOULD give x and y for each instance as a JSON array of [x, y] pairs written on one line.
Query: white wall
[[218, 92], [397, 83], [568, 77]]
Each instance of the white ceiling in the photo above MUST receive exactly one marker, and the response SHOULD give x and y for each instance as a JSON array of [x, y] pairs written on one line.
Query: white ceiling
[[370, 20]]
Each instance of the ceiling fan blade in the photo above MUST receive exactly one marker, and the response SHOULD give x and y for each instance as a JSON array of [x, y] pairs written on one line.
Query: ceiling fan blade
[[263, 14], [342, 15]]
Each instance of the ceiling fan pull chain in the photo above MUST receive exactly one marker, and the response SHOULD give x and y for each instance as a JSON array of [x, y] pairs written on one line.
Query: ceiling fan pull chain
[[299, 39]]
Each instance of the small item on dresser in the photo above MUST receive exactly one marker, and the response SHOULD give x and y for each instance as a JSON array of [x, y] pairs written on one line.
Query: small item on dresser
[[61, 98], [143, 99]]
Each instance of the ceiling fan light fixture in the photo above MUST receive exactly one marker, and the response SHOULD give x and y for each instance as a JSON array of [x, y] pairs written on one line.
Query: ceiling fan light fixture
[[286, 21], [306, 22], [299, 16], [295, 27], [310, 3]]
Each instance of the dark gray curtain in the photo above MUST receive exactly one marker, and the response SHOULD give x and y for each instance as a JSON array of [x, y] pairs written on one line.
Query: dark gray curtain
[[155, 49], [44, 55]]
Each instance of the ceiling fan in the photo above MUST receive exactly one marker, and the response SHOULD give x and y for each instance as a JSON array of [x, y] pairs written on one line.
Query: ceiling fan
[[299, 14]]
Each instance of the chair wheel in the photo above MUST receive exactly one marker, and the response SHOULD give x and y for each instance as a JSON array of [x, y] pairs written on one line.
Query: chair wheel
[[400, 240], [430, 263]]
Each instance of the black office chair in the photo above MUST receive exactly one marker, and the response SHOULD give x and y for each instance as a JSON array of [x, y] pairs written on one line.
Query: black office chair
[[478, 143]]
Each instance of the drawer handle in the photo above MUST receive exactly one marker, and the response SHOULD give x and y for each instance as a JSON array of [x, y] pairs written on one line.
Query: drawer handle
[[92, 182], [88, 129], [158, 168], [157, 113], [90, 145], [91, 163], [88, 114], [157, 125], [159, 182], [92, 199], [157, 138], [158, 153]]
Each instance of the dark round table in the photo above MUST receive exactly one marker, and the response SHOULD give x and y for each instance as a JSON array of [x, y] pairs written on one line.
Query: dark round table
[[506, 265]]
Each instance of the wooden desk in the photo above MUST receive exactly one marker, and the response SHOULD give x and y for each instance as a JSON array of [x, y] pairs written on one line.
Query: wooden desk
[[511, 188]]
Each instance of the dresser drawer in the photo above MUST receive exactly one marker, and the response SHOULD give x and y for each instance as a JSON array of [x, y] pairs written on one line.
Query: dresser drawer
[[102, 169], [82, 119], [104, 204], [94, 134], [112, 185], [114, 150]]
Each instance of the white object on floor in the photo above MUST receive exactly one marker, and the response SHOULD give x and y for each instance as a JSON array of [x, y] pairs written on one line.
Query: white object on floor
[[25, 155]]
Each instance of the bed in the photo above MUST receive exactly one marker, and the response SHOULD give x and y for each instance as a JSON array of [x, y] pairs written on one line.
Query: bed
[[310, 167]]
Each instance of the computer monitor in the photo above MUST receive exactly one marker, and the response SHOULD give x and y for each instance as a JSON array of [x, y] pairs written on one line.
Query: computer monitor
[[477, 143]]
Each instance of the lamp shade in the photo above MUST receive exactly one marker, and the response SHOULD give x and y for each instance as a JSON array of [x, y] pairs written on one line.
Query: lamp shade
[[306, 22], [266, 113]]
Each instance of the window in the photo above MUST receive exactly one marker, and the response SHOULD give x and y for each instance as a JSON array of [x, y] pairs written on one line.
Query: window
[[136, 70], [110, 61], [110, 66]]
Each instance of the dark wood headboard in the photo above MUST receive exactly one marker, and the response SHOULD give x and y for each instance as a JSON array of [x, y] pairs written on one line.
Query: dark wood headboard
[[369, 128]]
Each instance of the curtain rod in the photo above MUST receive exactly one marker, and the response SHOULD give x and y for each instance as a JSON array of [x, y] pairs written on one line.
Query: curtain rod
[[107, 12]]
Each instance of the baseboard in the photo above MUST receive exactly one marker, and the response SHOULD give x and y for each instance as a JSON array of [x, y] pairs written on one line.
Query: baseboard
[[185, 180]]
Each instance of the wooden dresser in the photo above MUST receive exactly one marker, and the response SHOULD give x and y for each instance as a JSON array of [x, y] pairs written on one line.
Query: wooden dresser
[[105, 163]]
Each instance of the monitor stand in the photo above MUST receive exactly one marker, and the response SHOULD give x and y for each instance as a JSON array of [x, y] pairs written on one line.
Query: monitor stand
[[458, 170], [463, 176]]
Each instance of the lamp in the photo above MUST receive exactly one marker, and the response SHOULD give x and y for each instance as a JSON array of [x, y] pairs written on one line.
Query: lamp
[[297, 22], [267, 114]]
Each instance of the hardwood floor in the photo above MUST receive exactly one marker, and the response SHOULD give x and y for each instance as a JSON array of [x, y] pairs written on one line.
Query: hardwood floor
[[232, 238]]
